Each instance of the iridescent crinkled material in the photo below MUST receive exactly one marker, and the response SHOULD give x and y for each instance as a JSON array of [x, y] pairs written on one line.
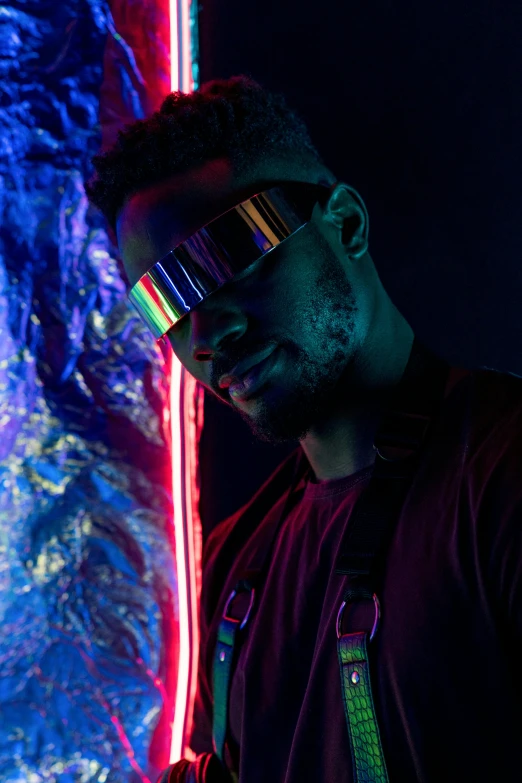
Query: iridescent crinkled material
[[88, 598]]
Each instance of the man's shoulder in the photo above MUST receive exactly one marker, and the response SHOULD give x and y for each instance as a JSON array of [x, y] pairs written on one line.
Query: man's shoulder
[[495, 406], [490, 496], [486, 408], [507, 384]]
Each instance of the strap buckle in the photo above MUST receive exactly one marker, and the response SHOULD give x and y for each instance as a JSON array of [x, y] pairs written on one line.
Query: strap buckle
[[401, 435], [376, 620], [240, 588]]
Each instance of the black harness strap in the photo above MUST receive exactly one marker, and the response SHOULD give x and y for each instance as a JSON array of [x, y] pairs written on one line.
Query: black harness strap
[[402, 432]]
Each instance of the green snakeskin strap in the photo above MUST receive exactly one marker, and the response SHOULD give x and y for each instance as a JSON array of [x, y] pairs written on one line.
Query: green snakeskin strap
[[365, 743], [222, 668]]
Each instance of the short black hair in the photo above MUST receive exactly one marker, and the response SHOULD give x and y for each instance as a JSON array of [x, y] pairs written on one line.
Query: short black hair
[[234, 118]]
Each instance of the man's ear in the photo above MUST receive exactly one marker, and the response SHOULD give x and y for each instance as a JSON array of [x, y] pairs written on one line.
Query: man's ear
[[346, 211]]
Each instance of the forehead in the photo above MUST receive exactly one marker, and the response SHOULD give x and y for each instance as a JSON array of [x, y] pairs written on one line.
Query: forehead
[[161, 216]]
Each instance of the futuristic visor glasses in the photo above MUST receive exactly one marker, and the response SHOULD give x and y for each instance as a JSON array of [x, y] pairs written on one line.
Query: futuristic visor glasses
[[212, 256]]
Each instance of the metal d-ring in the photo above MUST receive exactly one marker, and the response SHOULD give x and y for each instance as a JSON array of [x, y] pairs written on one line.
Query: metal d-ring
[[251, 604], [375, 622]]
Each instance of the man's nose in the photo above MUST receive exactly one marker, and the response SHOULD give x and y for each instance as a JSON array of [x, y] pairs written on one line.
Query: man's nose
[[212, 328]]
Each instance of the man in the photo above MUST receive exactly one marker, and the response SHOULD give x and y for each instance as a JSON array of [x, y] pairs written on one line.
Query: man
[[300, 337]]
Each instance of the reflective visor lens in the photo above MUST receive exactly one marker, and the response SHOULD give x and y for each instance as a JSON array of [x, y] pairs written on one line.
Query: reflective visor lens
[[216, 253]]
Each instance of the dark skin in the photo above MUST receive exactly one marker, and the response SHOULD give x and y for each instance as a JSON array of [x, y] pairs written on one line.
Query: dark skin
[[315, 306]]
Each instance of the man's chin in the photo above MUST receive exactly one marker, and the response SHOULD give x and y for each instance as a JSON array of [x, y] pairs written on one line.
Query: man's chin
[[275, 428], [273, 437]]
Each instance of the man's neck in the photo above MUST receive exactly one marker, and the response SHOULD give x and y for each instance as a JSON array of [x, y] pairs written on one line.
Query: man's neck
[[343, 443]]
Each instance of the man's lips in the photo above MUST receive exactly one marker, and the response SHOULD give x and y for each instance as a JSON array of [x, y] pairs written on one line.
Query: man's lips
[[235, 376]]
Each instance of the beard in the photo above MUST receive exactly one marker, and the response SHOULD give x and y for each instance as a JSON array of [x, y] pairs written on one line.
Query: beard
[[315, 375]]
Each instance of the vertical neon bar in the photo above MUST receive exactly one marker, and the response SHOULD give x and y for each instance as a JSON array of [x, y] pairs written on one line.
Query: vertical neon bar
[[180, 703], [180, 46], [182, 396], [174, 45]]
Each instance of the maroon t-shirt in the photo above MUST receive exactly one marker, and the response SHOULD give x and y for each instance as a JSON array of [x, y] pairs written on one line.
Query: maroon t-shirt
[[446, 661]]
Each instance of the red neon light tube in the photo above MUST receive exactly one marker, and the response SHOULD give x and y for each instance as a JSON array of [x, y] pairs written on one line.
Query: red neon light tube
[[184, 452]]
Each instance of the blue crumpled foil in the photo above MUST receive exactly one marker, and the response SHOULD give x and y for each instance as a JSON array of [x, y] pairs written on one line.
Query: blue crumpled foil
[[88, 598]]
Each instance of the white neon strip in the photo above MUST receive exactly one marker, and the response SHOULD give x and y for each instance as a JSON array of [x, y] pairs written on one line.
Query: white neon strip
[[174, 45], [180, 46], [187, 531], [183, 430], [186, 54], [193, 546], [176, 748]]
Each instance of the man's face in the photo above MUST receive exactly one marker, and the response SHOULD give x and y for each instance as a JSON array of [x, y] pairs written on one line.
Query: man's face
[[278, 342]]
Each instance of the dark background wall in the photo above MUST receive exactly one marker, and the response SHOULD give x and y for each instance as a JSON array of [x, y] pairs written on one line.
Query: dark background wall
[[417, 104]]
